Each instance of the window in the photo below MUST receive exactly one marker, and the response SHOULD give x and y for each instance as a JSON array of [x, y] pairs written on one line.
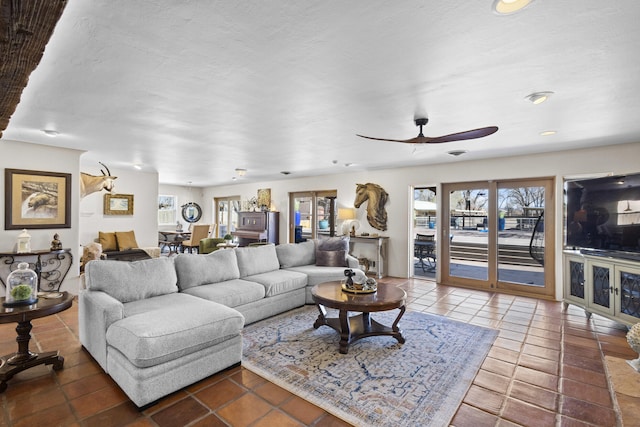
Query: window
[[167, 209]]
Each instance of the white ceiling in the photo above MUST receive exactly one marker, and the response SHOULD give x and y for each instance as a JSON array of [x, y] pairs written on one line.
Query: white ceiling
[[194, 89]]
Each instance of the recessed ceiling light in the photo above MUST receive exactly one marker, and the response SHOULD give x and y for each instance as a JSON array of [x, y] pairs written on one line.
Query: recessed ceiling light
[[138, 166], [50, 132], [346, 165], [538, 97], [233, 178], [285, 172], [548, 133], [456, 153], [241, 172], [507, 7]]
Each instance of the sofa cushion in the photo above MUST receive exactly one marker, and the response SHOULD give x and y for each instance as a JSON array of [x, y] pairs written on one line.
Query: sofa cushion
[[257, 259], [331, 258], [126, 240], [130, 281], [231, 293], [295, 254], [158, 336], [108, 241], [196, 270], [279, 281]]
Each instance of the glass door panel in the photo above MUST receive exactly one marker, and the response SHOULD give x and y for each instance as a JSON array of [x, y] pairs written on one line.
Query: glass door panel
[[521, 234], [311, 215], [227, 215], [468, 233]]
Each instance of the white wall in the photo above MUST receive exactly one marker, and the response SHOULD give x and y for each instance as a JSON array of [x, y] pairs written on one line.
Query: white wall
[[144, 221], [21, 155], [398, 183], [184, 194], [87, 217]]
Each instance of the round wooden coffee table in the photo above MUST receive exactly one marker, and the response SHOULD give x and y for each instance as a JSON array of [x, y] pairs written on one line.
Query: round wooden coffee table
[[23, 359], [351, 329]]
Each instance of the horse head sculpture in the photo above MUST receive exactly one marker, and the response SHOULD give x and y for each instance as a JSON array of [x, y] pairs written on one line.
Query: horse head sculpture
[[93, 183], [377, 198]]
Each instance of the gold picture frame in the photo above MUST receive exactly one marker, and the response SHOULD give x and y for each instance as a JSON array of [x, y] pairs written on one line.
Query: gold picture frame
[[36, 199], [118, 204], [264, 199]]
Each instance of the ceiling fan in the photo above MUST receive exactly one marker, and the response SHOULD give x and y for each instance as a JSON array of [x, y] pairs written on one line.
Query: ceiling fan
[[459, 136]]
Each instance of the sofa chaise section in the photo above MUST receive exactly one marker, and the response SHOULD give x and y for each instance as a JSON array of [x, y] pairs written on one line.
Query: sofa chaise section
[[149, 338]]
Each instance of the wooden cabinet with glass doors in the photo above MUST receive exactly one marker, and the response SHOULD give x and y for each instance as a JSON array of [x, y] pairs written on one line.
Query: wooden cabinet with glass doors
[[606, 286]]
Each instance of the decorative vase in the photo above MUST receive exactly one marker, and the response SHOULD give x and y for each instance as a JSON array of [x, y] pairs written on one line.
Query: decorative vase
[[633, 338], [323, 224]]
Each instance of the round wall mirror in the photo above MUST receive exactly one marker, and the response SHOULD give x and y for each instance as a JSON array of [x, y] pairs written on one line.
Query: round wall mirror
[[191, 212]]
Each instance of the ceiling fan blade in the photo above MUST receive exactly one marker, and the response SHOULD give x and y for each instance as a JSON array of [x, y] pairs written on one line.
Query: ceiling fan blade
[[459, 136], [385, 139]]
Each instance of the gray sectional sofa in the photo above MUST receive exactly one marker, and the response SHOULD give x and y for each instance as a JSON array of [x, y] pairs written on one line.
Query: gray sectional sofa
[[158, 325]]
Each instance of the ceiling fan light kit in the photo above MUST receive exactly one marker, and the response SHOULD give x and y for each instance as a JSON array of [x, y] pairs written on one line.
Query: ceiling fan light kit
[[507, 7], [539, 97], [458, 136]]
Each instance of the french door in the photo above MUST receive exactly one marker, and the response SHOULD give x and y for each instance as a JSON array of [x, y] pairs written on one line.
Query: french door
[[226, 209], [312, 215], [495, 234]]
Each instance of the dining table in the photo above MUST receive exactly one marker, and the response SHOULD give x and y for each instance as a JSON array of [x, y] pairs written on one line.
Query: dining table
[[173, 239]]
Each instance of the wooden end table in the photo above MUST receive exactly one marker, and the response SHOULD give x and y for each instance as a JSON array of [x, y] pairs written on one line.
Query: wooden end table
[[23, 359], [351, 329]]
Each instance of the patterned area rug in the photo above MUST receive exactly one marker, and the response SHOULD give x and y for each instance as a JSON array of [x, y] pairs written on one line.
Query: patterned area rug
[[379, 382]]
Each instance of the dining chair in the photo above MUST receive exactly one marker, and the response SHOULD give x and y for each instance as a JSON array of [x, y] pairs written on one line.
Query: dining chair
[[424, 250], [198, 232]]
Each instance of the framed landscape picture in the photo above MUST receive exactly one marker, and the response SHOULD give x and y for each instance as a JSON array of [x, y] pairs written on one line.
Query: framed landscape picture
[[118, 204], [36, 199]]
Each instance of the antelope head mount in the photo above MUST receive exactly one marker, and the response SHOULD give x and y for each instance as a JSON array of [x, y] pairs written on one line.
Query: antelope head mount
[[94, 183]]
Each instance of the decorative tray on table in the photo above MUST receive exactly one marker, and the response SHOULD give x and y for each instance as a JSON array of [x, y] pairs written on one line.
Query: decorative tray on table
[[369, 287]]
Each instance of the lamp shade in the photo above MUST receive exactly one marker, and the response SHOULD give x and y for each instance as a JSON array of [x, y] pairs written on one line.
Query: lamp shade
[[346, 213]]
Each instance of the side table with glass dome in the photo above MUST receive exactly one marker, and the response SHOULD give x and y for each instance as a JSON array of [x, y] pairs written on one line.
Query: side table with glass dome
[[21, 305]]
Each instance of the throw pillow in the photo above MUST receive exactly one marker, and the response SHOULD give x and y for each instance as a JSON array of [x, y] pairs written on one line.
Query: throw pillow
[[108, 241], [334, 244], [331, 259], [126, 240]]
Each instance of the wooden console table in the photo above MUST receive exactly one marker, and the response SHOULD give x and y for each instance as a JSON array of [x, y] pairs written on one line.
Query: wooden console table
[[50, 266], [380, 242]]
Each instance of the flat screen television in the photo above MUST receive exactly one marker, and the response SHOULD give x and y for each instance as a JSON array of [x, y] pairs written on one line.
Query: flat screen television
[[603, 214]]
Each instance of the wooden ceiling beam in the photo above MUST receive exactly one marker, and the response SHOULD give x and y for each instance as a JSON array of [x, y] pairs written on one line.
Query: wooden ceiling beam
[[25, 29]]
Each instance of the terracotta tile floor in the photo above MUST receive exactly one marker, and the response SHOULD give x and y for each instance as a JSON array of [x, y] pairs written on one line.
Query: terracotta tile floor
[[546, 368]]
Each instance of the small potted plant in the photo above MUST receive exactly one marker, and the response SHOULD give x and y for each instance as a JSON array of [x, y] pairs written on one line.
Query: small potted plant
[[228, 238]]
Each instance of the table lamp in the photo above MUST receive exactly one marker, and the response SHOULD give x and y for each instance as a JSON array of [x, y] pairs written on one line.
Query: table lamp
[[348, 217]]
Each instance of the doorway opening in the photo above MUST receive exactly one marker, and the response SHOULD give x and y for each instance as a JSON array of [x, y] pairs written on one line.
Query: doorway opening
[[424, 232]]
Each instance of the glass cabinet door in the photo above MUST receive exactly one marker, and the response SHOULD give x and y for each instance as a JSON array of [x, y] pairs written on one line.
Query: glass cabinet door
[[628, 293], [601, 286], [576, 278]]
